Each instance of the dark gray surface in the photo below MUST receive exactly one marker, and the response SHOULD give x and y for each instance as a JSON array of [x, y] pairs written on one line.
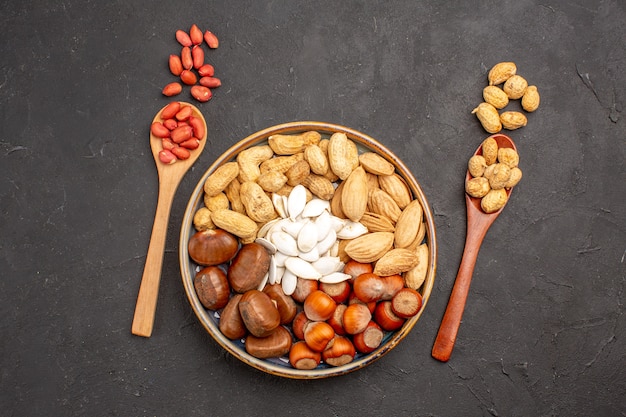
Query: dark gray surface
[[543, 332]]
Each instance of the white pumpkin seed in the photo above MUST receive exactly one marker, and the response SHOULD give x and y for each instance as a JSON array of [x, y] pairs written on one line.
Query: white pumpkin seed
[[310, 256], [351, 230], [289, 283], [335, 277], [301, 268], [271, 248], [328, 264], [284, 243], [279, 205], [324, 223], [307, 238], [296, 201], [315, 207]]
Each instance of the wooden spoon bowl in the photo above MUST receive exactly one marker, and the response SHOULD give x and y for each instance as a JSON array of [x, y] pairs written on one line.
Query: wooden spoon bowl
[[478, 222], [170, 176]]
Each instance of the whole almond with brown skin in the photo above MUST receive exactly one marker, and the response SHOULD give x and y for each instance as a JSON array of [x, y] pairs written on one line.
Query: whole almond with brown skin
[[414, 278], [369, 247], [397, 188], [376, 164], [501, 72], [408, 224], [380, 202], [531, 99], [354, 195], [377, 222], [343, 155], [396, 261], [335, 202]]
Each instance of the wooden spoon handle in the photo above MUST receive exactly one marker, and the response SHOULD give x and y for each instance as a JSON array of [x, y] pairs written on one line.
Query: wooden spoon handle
[[446, 337], [145, 309]]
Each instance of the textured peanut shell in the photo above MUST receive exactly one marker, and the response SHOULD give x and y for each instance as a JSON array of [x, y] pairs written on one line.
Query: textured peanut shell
[[493, 201], [489, 150], [259, 206], [512, 120], [514, 178], [501, 72], [220, 178], [217, 202], [317, 159], [488, 117], [499, 176], [236, 223], [495, 96], [202, 219], [515, 87], [476, 165], [508, 156], [477, 187], [343, 155], [249, 161], [531, 99]]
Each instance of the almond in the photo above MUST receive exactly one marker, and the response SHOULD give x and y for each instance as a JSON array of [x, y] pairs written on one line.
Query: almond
[[381, 203], [369, 247], [376, 164], [396, 261], [408, 224], [377, 222], [414, 278], [397, 188], [354, 195]]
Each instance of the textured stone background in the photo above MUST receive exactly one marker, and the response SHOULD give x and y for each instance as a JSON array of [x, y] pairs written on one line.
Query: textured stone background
[[543, 331]]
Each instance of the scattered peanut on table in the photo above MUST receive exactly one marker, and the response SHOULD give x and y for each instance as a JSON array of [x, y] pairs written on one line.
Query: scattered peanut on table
[[513, 87], [321, 225]]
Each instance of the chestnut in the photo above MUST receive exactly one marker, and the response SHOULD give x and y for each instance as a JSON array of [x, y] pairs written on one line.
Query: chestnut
[[231, 324], [259, 313], [285, 304], [212, 287], [248, 268], [301, 356], [319, 306], [212, 247], [340, 353], [277, 343], [356, 317]]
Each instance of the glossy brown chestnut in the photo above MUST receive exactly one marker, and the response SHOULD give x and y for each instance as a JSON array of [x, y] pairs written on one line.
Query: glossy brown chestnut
[[212, 247], [259, 313], [212, 287], [285, 304], [231, 324], [277, 343], [248, 268]]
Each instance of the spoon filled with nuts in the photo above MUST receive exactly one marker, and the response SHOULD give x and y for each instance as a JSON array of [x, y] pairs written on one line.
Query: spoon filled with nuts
[[492, 172], [178, 135]]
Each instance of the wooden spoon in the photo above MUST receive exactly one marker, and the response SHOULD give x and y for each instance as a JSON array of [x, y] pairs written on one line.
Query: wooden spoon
[[478, 222], [170, 176]]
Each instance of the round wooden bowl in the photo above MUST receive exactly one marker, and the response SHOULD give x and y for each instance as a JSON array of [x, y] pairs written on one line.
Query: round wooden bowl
[[210, 319]]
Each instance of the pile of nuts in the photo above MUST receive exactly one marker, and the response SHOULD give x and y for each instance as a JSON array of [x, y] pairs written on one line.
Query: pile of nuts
[[307, 249], [514, 87], [494, 171], [190, 67], [179, 130]]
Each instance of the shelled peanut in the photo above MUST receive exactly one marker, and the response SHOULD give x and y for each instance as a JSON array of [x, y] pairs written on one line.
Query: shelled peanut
[[190, 67], [179, 130], [300, 181], [494, 171], [505, 85]]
